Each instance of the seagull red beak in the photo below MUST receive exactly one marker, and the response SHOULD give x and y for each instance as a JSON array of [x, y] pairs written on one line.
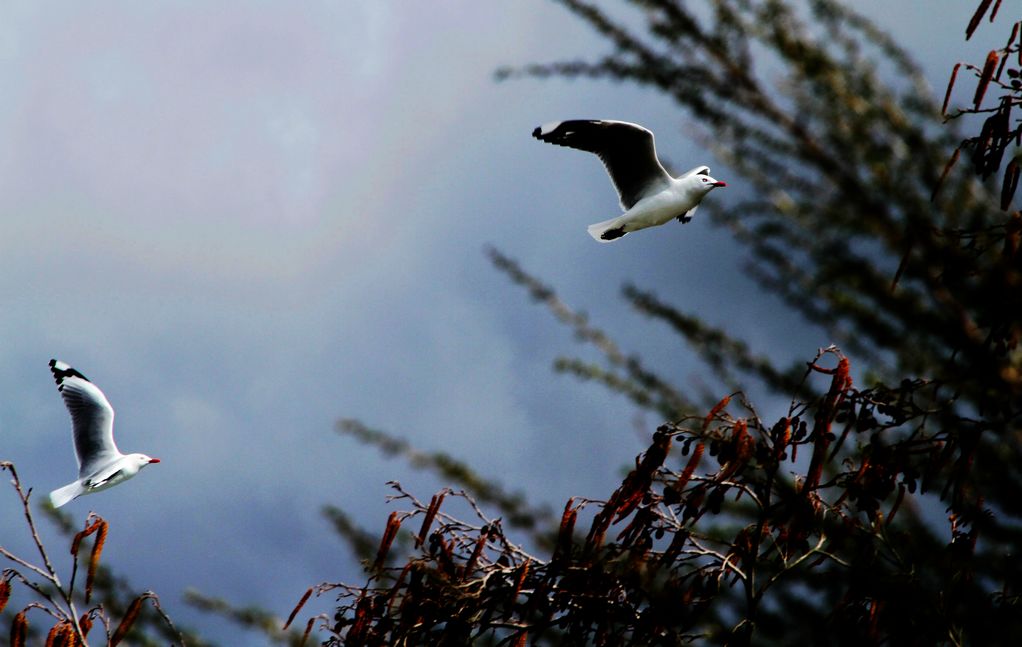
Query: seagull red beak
[[154, 460], [720, 184]]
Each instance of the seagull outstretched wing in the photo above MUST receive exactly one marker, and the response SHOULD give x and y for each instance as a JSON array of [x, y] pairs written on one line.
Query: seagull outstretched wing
[[626, 149], [92, 418]]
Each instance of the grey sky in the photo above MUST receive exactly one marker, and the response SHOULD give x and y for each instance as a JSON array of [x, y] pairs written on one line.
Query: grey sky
[[246, 220]]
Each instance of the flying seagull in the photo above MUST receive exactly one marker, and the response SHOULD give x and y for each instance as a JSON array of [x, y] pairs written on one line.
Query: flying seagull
[[100, 464], [649, 196]]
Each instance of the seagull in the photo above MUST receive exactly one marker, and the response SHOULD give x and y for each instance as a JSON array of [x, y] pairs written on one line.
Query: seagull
[[649, 196], [100, 464]]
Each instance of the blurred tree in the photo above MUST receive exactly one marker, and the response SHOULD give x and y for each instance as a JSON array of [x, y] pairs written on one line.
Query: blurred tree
[[901, 521]]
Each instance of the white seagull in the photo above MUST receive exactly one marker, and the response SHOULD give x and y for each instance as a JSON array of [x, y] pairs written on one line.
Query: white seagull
[[649, 196], [100, 464]]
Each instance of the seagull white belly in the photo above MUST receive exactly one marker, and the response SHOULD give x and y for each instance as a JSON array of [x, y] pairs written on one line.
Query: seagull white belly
[[652, 211], [109, 477]]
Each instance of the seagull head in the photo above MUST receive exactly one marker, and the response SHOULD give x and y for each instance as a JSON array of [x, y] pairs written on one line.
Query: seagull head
[[707, 183], [144, 460]]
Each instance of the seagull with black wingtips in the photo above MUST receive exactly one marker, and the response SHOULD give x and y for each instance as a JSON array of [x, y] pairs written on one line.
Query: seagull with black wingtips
[[100, 464], [649, 195]]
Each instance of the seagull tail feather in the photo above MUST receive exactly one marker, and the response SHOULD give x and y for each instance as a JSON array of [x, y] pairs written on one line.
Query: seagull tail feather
[[607, 231], [60, 496]]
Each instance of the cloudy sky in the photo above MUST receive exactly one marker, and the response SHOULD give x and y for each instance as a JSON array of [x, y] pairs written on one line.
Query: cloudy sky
[[245, 220]]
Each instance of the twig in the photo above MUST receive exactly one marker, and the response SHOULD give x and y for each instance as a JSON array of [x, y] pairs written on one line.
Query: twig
[[71, 614]]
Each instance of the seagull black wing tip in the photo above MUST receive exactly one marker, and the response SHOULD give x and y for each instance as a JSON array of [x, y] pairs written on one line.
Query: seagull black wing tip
[[548, 133], [58, 374], [61, 374]]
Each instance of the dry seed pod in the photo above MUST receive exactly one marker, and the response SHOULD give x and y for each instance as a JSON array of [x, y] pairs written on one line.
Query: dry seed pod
[[976, 18], [5, 593], [298, 607], [985, 76], [19, 630], [129, 619], [389, 533]]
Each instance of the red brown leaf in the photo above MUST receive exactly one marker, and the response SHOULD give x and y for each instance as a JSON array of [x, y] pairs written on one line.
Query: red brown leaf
[[522, 574], [54, 634], [476, 552], [5, 593], [85, 623], [308, 630], [427, 521], [985, 77], [85, 532], [298, 607], [567, 530], [19, 630], [362, 619], [97, 550], [950, 84], [976, 18], [690, 468], [129, 619], [993, 13], [389, 533], [717, 408]]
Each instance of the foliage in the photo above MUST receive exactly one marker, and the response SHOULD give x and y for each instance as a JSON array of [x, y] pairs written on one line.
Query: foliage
[[999, 131], [142, 617]]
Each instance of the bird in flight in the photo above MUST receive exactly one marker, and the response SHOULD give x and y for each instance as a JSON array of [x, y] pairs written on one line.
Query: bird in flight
[[100, 464], [649, 195]]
